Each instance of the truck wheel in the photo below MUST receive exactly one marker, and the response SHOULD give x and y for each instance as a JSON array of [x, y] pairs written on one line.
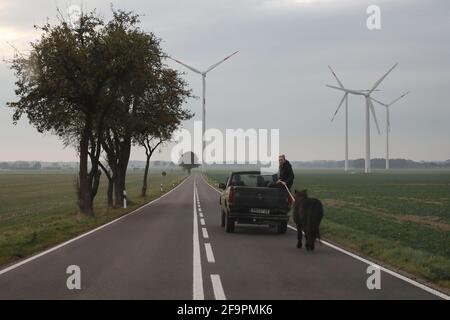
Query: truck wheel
[[222, 219], [282, 227], [229, 225]]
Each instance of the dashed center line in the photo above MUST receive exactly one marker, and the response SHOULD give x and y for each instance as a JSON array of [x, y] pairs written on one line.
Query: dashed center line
[[219, 294], [197, 286], [209, 253], [205, 233]]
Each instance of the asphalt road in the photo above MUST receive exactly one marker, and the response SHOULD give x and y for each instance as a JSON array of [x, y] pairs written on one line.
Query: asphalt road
[[174, 248]]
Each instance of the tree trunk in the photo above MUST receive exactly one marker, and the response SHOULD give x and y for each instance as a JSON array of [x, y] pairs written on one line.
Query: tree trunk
[[122, 164], [146, 143], [144, 183], [110, 193], [119, 186], [94, 173], [110, 190], [85, 201]]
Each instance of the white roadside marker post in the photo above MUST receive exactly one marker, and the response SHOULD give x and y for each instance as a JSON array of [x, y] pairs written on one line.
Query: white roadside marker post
[[161, 189], [124, 199]]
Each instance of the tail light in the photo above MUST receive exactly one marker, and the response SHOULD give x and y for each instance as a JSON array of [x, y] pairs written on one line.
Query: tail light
[[230, 195]]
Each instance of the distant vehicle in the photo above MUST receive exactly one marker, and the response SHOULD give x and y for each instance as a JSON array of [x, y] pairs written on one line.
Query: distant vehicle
[[249, 197]]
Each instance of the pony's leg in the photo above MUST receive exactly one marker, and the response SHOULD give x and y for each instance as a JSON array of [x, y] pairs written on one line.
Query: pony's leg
[[299, 236], [309, 243]]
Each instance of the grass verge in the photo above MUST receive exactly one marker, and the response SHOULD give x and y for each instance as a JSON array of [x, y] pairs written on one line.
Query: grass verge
[[38, 210]]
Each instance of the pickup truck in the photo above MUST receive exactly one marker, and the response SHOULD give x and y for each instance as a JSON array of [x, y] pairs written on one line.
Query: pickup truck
[[249, 197]]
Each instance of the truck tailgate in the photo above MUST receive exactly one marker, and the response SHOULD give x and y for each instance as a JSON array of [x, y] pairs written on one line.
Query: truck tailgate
[[267, 198]]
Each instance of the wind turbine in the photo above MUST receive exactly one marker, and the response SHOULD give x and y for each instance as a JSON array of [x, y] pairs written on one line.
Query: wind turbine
[[345, 97], [203, 74], [369, 109], [388, 123]]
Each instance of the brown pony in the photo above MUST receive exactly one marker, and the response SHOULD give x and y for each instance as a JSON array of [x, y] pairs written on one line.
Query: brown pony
[[308, 213]]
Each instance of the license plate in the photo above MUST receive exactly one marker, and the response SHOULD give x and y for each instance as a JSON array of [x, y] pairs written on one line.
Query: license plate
[[258, 210]]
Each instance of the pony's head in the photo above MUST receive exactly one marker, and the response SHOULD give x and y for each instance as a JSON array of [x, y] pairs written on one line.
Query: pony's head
[[300, 195]]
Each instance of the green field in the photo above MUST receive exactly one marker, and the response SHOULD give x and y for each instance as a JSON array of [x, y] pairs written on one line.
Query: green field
[[38, 209], [401, 218]]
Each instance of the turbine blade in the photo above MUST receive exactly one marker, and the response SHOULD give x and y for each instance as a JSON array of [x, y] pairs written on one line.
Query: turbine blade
[[334, 87], [345, 90], [221, 61], [369, 90], [184, 64], [378, 101], [381, 79], [403, 95], [372, 109], [340, 104], [336, 77]]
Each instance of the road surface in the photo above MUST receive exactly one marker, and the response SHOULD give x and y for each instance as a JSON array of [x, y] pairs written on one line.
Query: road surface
[[174, 248]]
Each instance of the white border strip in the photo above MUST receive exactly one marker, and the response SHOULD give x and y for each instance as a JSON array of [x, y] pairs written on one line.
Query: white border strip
[[18, 264], [219, 294], [392, 273], [197, 283]]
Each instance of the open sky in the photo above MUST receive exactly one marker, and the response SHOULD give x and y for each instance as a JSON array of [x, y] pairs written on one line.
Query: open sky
[[278, 78]]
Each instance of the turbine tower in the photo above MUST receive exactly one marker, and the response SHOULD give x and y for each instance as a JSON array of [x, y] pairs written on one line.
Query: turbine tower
[[369, 109], [388, 123], [203, 74]]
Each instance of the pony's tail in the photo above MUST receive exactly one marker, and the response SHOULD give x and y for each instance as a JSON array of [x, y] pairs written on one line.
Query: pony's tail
[[320, 211], [318, 236]]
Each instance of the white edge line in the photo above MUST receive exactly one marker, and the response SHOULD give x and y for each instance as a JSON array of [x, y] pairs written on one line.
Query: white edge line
[[38, 255], [202, 221], [209, 253], [200, 214], [197, 278], [219, 294], [392, 273]]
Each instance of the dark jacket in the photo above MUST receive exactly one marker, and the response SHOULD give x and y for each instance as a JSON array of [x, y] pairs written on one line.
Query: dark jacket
[[286, 174]]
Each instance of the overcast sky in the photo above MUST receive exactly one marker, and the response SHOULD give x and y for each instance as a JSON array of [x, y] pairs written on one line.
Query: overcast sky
[[278, 78]]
